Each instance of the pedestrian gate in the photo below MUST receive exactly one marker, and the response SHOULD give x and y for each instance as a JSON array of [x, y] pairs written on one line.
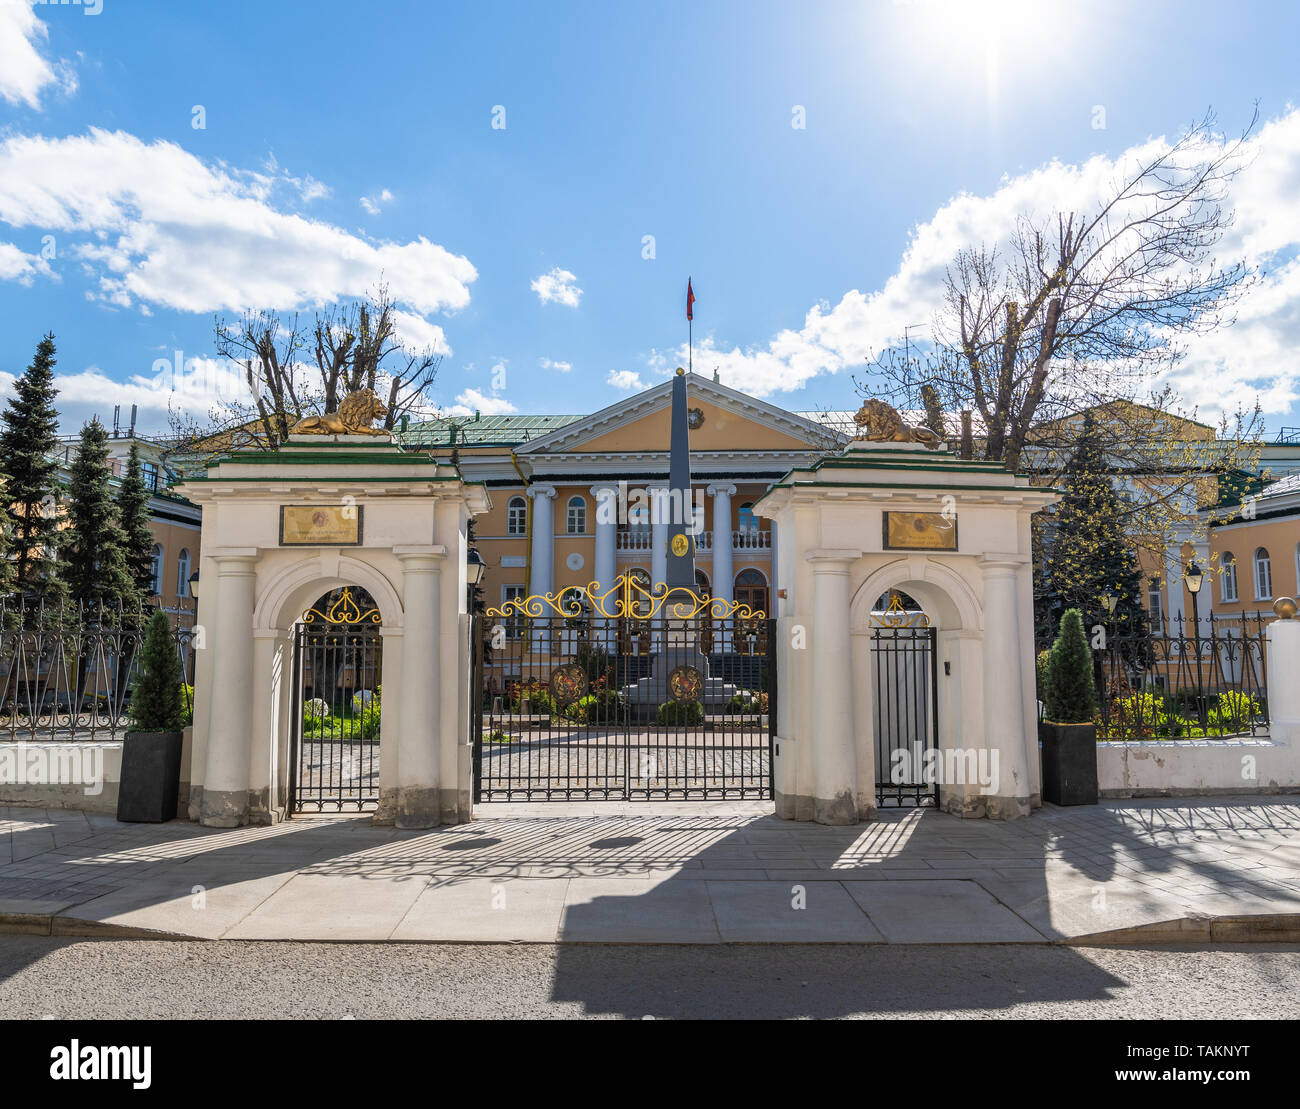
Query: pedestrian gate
[[904, 696]]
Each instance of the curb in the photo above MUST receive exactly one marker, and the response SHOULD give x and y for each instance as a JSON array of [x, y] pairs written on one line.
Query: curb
[[1195, 928]]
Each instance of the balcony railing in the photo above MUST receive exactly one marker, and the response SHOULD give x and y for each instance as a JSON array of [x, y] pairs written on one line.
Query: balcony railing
[[746, 539]]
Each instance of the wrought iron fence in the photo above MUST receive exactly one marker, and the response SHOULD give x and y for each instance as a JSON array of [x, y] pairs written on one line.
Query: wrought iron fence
[[1180, 679], [67, 669]]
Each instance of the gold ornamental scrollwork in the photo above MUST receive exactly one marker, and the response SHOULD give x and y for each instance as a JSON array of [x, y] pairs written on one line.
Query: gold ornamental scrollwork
[[896, 615], [627, 597], [343, 610]]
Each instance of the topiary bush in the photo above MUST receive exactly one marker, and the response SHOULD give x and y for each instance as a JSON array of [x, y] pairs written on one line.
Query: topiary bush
[[1071, 697], [157, 704], [681, 712]]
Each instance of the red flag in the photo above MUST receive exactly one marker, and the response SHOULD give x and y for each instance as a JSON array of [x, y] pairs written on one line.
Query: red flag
[[690, 301]]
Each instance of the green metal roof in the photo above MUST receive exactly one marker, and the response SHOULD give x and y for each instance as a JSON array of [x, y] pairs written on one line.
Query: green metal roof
[[486, 431]]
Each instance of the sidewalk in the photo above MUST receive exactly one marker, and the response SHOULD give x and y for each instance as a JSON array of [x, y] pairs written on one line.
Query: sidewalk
[[1123, 871]]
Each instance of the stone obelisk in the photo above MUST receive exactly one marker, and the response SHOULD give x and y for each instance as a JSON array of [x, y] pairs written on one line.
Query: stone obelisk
[[679, 503]]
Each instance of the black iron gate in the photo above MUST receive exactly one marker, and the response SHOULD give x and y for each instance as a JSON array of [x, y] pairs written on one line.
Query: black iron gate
[[336, 705], [904, 693], [668, 703]]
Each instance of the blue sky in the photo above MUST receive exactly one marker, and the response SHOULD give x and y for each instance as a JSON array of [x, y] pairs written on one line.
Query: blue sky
[[671, 120]]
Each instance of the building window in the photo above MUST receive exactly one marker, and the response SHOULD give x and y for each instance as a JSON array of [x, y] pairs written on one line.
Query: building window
[[517, 516], [576, 521], [149, 472], [1263, 575], [1228, 579], [747, 520], [514, 622], [1156, 604], [183, 574], [156, 571]]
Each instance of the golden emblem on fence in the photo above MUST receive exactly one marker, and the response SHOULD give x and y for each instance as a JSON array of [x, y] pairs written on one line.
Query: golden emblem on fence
[[897, 615], [626, 597], [344, 609]]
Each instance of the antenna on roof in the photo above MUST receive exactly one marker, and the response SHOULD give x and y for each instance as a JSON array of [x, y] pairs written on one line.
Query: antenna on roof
[[131, 432], [117, 419]]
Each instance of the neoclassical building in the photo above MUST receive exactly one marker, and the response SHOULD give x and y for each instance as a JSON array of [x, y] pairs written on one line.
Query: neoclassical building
[[572, 495]]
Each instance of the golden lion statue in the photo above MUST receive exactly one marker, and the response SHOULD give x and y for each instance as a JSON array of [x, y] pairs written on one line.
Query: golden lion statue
[[357, 411], [880, 423]]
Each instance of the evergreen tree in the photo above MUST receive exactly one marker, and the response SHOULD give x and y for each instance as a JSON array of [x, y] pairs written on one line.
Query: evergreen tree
[[157, 700], [1088, 550], [133, 516], [6, 545], [92, 547], [28, 443], [1071, 696]]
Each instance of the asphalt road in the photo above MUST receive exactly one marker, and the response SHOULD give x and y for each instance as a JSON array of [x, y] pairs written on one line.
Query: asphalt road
[[68, 979]]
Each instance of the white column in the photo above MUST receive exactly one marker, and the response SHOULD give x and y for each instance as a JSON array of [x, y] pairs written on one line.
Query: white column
[[541, 577], [1004, 722], [226, 777], [834, 756], [606, 569], [1283, 661], [658, 533], [723, 576], [419, 716]]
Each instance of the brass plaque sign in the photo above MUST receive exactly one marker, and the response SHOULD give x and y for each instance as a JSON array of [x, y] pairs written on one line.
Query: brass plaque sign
[[920, 531], [320, 525]]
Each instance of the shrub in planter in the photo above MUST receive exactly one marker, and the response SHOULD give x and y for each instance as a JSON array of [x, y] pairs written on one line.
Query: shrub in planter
[[151, 751], [1067, 732], [681, 712]]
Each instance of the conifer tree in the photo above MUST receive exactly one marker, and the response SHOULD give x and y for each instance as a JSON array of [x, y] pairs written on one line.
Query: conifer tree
[[1071, 696], [1089, 552], [92, 559], [6, 545], [28, 443], [133, 516], [157, 700]]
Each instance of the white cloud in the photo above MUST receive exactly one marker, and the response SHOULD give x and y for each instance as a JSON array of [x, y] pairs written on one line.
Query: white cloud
[[1221, 371], [375, 201], [627, 380], [24, 71], [558, 367], [558, 285], [164, 228], [18, 266], [418, 334], [474, 400]]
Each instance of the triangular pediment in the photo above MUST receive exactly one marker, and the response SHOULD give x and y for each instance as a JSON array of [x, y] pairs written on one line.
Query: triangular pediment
[[732, 421]]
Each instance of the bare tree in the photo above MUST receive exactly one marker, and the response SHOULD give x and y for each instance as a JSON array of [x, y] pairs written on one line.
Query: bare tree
[[294, 370], [1083, 307]]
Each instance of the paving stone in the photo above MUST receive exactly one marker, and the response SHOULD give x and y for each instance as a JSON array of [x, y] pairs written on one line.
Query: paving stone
[[775, 912], [938, 911]]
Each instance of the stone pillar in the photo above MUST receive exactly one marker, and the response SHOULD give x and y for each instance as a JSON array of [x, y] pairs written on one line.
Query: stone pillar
[[230, 729], [541, 575], [606, 568], [1004, 722], [419, 719], [1283, 662], [659, 510], [834, 757], [723, 577]]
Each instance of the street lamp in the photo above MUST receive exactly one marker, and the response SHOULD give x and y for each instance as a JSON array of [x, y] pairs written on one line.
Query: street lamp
[[475, 567], [1193, 577], [194, 585]]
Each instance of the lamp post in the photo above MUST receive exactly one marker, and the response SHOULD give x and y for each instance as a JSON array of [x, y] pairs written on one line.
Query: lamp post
[[475, 568], [1193, 577]]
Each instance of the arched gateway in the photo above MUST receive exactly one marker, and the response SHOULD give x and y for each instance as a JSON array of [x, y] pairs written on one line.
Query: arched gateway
[[339, 520]]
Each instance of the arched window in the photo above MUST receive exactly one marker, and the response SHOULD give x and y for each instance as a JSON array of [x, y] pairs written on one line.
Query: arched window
[[746, 519], [517, 516], [183, 574], [156, 571], [751, 589], [1156, 604], [1228, 577], [576, 520], [702, 584], [1263, 575]]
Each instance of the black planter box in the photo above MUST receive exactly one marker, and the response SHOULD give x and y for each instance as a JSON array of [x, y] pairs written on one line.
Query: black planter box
[[1069, 763], [151, 777]]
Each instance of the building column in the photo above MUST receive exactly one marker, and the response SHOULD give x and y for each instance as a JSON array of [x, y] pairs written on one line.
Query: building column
[[421, 704], [606, 568], [230, 727], [541, 575], [1004, 722], [659, 510], [834, 757], [723, 576]]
